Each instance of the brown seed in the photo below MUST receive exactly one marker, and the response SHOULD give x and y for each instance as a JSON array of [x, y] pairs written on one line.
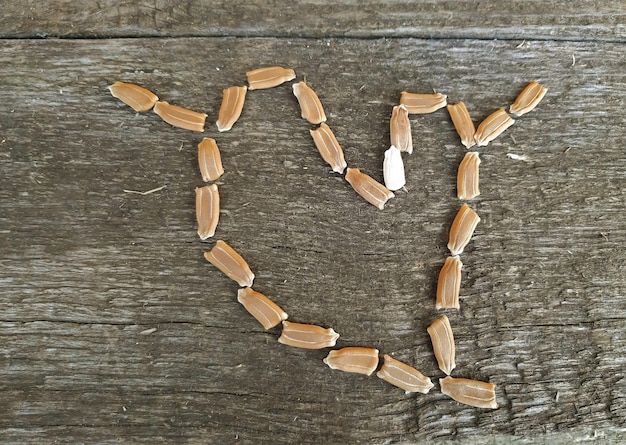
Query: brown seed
[[329, 147], [230, 110], [443, 343], [404, 376], [310, 105], [492, 127], [400, 129], [230, 263], [180, 117], [134, 96], [462, 229], [269, 77], [268, 313], [209, 160], [463, 123], [528, 99], [353, 359], [470, 392], [449, 284], [207, 210], [467, 177], [307, 336], [423, 103], [373, 191]]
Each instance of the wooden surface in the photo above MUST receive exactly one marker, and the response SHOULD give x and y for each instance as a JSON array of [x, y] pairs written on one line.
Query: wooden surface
[[86, 268]]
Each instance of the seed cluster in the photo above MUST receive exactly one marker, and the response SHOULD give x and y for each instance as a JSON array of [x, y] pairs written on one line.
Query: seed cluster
[[349, 359]]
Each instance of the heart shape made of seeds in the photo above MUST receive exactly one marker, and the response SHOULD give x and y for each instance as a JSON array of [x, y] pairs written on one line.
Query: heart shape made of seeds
[[355, 359]]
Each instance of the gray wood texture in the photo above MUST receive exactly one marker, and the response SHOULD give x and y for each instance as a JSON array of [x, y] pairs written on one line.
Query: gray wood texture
[[87, 268]]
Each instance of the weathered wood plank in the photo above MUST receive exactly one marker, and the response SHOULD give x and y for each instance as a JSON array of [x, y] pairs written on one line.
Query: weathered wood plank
[[490, 19], [87, 267]]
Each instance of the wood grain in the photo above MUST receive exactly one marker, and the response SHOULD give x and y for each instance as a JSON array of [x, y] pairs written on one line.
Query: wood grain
[[86, 268]]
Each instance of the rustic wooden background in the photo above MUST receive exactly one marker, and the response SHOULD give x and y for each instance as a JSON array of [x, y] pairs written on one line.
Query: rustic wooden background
[[86, 268]]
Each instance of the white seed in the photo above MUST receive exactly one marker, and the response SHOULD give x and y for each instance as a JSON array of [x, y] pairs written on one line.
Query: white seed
[[400, 129], [462, 229], [353, 359], [404, 376], [443, 343], [329, 148], [310, 105], [232, 105], [470, 392], [467, 177], [528, 99], [207, 210], [268, 313], [307, 336], [269, 77], [230, 263], [393, 169], [449, 284], [209, 160]]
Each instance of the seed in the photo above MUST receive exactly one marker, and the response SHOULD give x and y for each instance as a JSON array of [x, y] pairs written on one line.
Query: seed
[[463, 123], [449, 284], [373, 191], [230, 263], [329, 148], [134, 96], [207, 210], [180, 117], [400, 129], [470, 392], [492, 127], [467, 177], [393, 169], [528, 99], [268, 313], [269, 77], [462, 229], [443, 343], [307, 336], [209, 160], [310, 105], [353, 359], [230, 110], [404, 376], [423, 103]]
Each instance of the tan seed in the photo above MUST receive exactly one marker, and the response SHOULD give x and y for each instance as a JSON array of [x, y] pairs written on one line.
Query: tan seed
[[528, 99], [404, 376], [232, 105], [462, 229], [423, 103], [467, 177], [230, 263], [269, 77], [329, 148], [400, 129], [463, 123], [268, 313], [207, 210], [493, 126], [353, 359], [449, 284], [310, 105], [443, 343], [371, 190], [470, 392], [307, 336], [180, 117], [209, 160], [136, 97]]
